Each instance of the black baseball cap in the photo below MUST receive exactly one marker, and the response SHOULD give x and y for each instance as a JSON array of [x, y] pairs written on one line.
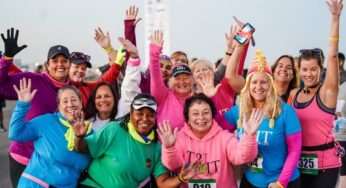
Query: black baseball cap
[[181, 68], [58, 49], [80, 58]]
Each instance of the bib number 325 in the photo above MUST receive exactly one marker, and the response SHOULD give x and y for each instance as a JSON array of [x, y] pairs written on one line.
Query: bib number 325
[[308, 164]]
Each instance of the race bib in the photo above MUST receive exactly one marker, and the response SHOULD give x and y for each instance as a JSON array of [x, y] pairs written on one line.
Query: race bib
[[308, 164], [208, 183], [256, 165]]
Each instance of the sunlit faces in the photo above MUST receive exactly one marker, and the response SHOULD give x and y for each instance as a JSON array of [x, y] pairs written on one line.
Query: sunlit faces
[[59, 67], [200, 70], [143, 120], [284, 70], [309, 72], [200, 118], [69, 103], [166, 69], [104, 100], [259, 86], [182, 83], [77, 72]]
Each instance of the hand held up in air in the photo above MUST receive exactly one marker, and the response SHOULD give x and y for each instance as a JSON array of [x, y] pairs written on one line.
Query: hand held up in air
[[168, 138], [11, 43], [157, 38], [251, 125], [24, 92]]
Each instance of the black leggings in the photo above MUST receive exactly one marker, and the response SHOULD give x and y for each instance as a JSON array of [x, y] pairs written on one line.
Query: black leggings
[[246, 184], [16, 170], [325, 178]]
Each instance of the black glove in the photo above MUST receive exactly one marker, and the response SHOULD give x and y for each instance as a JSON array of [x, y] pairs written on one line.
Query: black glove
[[10, 43]]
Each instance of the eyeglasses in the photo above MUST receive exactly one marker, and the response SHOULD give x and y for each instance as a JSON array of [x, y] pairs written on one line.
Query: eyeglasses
[[79, 55], [311, 52]]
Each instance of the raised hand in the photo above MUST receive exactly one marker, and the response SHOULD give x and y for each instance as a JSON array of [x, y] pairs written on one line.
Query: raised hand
[[251, 125], [335, 7], [11, 43], [130, 48], [230, 36], [80, 128], [207, 84], [273, 185], [241, 25], [103, 40], [168, 137], [157, 38], [24, 92], [189, 171], [131, 14]]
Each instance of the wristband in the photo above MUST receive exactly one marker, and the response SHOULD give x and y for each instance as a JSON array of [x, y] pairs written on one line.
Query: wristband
[[6, 58], [181, 179], [229, 54], [279, 184], [334, 38], [109, 49]]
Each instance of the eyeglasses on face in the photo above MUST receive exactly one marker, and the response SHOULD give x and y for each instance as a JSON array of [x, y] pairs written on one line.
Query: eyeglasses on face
[[78, 55]]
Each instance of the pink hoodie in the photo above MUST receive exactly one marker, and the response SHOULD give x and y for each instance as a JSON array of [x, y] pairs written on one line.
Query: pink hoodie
[[218, 150]]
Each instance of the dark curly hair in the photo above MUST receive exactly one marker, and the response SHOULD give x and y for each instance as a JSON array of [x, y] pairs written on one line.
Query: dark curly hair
[[200, 97], [90, 109]]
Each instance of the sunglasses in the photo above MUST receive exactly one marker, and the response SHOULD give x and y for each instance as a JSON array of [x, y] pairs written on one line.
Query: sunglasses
[[311, 52], [79, 55], [143, 102]]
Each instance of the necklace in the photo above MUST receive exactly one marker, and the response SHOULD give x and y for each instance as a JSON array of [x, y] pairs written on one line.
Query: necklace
[[306, 90]]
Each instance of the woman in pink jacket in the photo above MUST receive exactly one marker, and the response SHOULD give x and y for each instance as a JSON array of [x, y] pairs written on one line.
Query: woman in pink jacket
[[203, 139]]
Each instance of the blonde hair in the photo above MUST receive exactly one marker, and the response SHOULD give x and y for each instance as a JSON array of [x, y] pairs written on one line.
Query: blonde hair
[[272, 107], [194, 64]]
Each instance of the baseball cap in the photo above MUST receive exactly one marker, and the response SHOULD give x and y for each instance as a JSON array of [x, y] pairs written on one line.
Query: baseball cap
[[143, 100], [58, 49], [80, 58], [181, 68]]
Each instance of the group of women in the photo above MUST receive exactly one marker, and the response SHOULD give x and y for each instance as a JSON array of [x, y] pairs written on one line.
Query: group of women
[[92, 137]]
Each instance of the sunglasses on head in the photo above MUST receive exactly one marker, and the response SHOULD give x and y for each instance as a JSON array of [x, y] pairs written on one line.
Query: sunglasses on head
[[78, 55], [142, 101], [311, 52]]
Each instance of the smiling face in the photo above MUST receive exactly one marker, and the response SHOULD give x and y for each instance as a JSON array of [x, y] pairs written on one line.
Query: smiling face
[[143, 120], [309, 71], [284, 70], [200, 70], [166, 69], [200, 118], [59, 67], [69, 103], [104, 100], [259, 87], [182, 83], [77, 72]]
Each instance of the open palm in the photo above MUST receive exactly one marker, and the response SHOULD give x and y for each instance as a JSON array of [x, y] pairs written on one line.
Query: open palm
[[24, 92], [251, 125], [168, 137]]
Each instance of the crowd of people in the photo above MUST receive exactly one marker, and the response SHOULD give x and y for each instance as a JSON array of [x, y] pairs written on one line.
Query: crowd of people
[[179, 123]]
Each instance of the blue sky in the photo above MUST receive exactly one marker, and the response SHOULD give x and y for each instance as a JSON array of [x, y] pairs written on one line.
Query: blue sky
[[197, 26]]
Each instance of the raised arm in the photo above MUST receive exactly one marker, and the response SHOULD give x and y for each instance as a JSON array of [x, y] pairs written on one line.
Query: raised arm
[[130, 86], [245, 150], [171, 157], [20, 130], [330, 86], [157, 86]]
